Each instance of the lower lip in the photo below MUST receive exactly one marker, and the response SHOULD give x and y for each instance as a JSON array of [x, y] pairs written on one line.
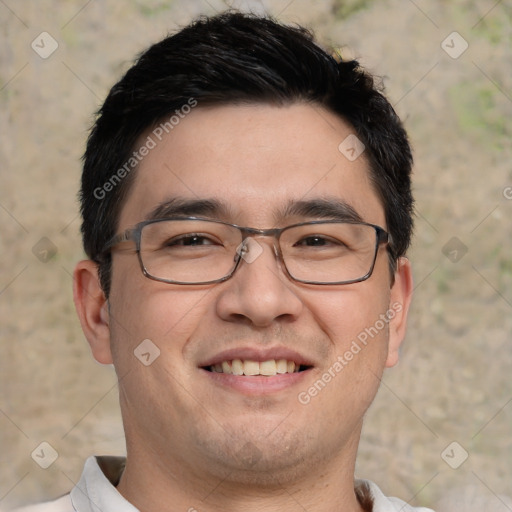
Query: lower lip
[[257, 385]]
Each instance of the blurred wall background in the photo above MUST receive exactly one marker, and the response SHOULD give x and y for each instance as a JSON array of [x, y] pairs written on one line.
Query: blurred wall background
[[446, 66]]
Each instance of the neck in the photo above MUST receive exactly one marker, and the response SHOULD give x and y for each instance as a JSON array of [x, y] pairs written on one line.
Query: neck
[[154, 484]]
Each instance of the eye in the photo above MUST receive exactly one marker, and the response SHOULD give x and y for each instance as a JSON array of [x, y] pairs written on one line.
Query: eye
[[313, 241], [191, 239], [318, 241]]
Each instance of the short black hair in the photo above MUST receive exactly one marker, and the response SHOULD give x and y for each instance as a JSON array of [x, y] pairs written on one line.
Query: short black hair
[[235, 58]]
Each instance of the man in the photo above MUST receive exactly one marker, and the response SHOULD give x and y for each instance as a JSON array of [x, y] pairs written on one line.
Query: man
[[246, 210]]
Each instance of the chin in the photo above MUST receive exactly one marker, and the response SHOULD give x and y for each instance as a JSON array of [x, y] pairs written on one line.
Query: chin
[[269, 461], [269, 471]]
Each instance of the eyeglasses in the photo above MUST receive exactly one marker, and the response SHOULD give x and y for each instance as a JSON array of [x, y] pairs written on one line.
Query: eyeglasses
[[194, 250]]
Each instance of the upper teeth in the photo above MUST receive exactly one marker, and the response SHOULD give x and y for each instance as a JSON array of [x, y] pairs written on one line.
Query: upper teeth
[[248, 367]]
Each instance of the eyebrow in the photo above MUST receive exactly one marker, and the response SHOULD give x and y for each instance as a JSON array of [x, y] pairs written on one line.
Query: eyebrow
[[320, 208], [328, 209], [189, 207]]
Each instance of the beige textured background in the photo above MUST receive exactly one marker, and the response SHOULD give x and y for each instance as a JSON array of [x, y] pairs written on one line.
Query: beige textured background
[[453, 382]]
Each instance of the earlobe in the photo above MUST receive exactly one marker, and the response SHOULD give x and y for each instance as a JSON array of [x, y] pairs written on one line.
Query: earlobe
[[400, 300], [92, 308]]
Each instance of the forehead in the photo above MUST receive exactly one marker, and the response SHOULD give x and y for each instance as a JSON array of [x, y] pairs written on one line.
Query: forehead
[[254, 160]]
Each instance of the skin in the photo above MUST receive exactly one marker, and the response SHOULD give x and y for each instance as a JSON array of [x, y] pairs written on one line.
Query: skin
[[191, 442]]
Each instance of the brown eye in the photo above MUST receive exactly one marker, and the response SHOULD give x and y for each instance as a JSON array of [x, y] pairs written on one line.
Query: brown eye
[[191, 239], [318, 241]]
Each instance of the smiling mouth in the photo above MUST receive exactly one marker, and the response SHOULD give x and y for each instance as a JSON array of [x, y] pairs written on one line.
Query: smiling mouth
[[248, 367]]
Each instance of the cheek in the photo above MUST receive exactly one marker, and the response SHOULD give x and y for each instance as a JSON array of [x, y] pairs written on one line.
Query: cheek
[[143, 309], [346, 384], [150, 332], [346, 314], [355, 322]]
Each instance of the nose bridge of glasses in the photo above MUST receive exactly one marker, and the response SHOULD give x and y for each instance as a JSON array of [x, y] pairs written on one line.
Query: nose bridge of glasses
[[252, 249]]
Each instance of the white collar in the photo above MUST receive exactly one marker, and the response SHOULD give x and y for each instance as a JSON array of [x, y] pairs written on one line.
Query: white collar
[[96, 491]]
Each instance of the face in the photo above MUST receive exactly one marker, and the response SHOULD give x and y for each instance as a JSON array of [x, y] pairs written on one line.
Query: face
[[256, 162]]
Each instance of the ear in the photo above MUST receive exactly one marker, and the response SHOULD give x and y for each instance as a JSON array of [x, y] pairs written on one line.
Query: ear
[[92, 308], [399, 302]]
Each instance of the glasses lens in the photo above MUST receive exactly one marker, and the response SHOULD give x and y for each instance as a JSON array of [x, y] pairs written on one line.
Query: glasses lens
[[198, 251], [189, 251], [330, 252]]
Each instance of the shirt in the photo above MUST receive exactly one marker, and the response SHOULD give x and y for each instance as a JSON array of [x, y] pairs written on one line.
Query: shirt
[[96, 492]]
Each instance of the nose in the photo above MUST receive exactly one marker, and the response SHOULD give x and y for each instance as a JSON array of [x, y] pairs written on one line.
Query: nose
[[259, 292]]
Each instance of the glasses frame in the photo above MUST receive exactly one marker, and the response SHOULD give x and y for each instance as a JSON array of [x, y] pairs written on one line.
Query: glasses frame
[[134, 234]]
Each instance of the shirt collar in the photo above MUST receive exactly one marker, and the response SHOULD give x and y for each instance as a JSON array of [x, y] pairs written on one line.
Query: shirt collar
[[96, 490]]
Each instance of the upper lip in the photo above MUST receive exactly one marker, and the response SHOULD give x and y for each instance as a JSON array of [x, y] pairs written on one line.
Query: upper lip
[[257, 354]]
